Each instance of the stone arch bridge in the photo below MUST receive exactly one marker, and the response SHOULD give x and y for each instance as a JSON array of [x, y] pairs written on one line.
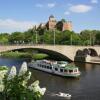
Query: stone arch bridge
[[73, 53]]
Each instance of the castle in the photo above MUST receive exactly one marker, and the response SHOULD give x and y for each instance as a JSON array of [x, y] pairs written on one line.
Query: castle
[[54, 24]]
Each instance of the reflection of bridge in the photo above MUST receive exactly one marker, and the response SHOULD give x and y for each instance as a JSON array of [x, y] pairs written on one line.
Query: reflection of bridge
[[71, 52]]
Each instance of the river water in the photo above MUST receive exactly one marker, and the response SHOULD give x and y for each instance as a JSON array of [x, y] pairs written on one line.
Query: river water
[[87, 87]]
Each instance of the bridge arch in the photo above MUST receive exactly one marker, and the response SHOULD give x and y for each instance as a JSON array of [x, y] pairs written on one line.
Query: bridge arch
[[54, 54], [93, 52]]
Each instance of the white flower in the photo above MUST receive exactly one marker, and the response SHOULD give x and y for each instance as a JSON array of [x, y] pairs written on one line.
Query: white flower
[[36, 88], [12, 73], [42, 91], [30, 88], [36, 83], [3, 72], [23, 69], [24, 83], [28, 77], [1, 88]]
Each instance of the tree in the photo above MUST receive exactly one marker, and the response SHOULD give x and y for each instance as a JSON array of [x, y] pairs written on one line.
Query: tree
[[4, 38], [97, 37], [16, 38]]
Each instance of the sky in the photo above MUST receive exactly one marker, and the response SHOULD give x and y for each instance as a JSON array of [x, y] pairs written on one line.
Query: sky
[[20, 15]]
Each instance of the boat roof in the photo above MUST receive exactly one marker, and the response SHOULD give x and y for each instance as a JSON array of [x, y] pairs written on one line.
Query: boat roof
[[70, 67], [62, 62]]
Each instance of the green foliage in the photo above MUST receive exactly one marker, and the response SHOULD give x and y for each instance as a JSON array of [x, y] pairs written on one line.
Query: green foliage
[[16, 54], [40, 56], [3, 68], [16, 37], [4, 38], [15, 90], [44, 36], [15, 86]]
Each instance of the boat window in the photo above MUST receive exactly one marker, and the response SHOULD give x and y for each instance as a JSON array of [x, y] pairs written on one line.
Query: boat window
[[47, 67], [65, 70], [50, 67], [42, 66], [70, 71], [38, 64], [56, 69], [75, 70], [61, 70]]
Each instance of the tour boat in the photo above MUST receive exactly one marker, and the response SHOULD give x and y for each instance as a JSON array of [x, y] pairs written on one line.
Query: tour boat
[[61, 68]]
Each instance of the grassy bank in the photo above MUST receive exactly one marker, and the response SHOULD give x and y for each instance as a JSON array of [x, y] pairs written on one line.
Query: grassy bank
[[39, 56], [17, 54]]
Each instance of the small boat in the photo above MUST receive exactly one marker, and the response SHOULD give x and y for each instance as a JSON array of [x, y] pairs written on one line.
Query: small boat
[[61, 68], [64, 95]]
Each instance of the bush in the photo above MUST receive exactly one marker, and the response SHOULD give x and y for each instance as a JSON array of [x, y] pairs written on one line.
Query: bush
[[39, 56], [15, 86]]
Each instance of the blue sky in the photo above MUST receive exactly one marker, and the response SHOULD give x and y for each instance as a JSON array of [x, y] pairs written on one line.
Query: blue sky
[[19, 15]]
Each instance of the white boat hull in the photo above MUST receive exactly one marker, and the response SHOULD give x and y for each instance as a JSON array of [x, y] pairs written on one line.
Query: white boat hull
[[54, 72]]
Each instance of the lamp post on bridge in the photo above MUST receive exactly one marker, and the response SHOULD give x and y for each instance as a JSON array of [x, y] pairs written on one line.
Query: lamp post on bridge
[[36, 41], [36, 37], [54, 39], [71, 39], [90, 39]]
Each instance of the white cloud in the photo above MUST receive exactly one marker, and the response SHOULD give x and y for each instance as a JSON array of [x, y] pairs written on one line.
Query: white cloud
[[67, 13], [39, 5], [13, 25], [80, 8], [51, 5], [94, 1]]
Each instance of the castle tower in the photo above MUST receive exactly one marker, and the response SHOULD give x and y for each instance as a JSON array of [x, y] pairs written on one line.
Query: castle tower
[[51, 23], [67, 26]]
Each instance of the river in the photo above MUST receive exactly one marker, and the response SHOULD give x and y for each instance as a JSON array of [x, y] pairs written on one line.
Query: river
[[87, 87]]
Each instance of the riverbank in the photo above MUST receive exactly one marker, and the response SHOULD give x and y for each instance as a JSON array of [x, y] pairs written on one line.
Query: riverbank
[[17, 54]]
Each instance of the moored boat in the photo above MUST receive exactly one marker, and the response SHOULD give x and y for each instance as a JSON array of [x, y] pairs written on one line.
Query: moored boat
[[64, 95], [61, 68]]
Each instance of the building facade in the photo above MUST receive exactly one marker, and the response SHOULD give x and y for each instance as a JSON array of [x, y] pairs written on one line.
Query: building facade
[[59, 25]]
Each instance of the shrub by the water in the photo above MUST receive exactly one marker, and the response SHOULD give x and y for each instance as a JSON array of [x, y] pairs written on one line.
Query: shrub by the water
[[16, 54], [39, 56], [15, 86]]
